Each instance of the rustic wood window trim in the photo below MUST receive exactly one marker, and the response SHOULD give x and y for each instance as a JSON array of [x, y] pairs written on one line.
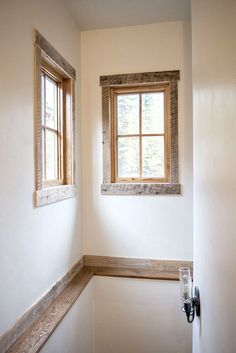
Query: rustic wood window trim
[[49, 60], [148, 79]]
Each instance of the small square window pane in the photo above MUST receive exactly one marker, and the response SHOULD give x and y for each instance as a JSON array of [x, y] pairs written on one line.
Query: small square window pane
[[51, 103], [153, 157], [128, 114], [51, 156], [128, 157], [153, 113]]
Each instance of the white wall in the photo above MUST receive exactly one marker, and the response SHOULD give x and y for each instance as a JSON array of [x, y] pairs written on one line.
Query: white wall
[[75, 334], [135, 226], [124, 315], [37, 246], [137, 316], [214, 92]]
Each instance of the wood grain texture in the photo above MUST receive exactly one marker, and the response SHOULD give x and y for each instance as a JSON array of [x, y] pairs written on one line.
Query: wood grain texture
[[34, 338], [111, 83], [53, 54], [47, 58], [140, 189], [135, 268], [106, 140], [54, 194], [33, 329], [137, 78], [37, 309], [174, 177], [38, 121]]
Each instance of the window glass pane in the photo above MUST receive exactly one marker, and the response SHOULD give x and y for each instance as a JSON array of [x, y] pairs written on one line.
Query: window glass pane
[[43, 156], [42, 99], [51, 155], [153, 157], [51, 104], [153, 113], [128, 114], [128, 157]]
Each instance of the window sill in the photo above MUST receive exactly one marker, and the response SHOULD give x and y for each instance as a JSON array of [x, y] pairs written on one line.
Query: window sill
[[54, 194], [140, 189]]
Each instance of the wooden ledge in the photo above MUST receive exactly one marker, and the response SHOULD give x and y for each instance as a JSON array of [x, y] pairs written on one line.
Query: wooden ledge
[[140, 189], [135, 267], [34, 338], [33, 329]]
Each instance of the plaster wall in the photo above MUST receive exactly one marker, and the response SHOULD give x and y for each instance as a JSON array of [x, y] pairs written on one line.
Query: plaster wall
[[137, 316], [135, 226], [37, 245], [214, 97]]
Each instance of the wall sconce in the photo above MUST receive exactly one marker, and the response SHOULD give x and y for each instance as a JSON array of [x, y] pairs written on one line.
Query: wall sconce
[[190, 304]]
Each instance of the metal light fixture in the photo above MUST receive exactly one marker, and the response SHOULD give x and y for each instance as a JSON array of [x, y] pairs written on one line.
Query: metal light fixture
[[190, 304]]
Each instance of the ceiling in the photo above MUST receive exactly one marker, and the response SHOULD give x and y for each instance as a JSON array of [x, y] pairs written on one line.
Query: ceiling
[[96, 14]]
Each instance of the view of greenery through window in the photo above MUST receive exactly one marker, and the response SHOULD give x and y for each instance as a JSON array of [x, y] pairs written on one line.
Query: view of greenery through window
[[50, 128], [140, 135]]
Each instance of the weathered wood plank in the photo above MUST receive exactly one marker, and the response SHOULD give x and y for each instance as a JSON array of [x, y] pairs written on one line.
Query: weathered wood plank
[[36, 335], [54, 194], [33, 329], [106, 140], [174, 132], [140, 78], [135, 268], [113, 82], [135, 273], [140, 189], [53, 54], [36, 310]]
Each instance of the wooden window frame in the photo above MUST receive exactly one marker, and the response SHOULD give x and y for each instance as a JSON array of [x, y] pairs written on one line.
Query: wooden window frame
[[58, 80], [148, 81], [53, 65], [114, 135]]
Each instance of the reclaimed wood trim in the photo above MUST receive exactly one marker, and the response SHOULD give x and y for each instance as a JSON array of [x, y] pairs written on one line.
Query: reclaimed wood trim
[[139, 78], [109, 85], [106, 134], [34, 338], [140, 189], [35, 312], [44, 194], [135, 273], [135, 268], [54, 194], [38, 121], [53, 54], [174, 132], [34, 328]]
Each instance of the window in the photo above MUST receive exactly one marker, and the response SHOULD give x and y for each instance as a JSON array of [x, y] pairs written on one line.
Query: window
[[52, 128], [54, 86], [140, 133]]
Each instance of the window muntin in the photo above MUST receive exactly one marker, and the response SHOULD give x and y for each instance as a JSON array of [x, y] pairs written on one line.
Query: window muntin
[[140, 134]]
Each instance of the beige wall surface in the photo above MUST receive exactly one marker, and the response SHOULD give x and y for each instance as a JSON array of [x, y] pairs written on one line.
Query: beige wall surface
[[37, 246], [135, 226], [139, 316], [214, 97]]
